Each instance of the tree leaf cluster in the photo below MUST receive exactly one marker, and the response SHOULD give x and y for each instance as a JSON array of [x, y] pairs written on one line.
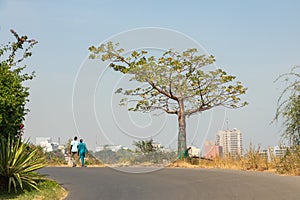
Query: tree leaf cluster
[[145, 146], [13, 93]]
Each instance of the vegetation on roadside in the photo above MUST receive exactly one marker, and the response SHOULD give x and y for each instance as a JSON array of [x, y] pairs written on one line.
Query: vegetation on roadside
[[145, 146], [13, 94], [125, 157], [289, 163], [48, 189], [56, 157], [146, 153], [18, 164], [253, 160], [19, 160], [288, 109], [59, 158]]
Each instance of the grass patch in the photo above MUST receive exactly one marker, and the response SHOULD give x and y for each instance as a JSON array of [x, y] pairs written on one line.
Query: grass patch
[[49, 189]]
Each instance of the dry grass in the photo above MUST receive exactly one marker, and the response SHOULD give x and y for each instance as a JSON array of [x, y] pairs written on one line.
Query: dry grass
[[289, 163], [253, 161], [182, 164]]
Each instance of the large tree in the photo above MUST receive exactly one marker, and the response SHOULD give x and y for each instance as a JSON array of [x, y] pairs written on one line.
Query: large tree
[[288, 106], [177, 83], [13, 93]]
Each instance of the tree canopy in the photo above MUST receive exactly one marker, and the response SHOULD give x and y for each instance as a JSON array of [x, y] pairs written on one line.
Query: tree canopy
[[176, 83], [145, 146], [13, 94]]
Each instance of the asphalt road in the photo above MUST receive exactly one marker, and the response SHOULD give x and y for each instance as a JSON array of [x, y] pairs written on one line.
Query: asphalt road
[[173, 184]]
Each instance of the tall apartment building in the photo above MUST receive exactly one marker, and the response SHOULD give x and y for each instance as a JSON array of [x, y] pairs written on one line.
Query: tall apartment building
[[231, 142]]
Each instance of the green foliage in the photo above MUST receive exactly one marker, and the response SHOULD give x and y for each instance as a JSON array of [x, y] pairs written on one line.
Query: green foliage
[[92, 160], [55, 158], [129, 157], [145, 146], [288, 106], [151, 153], [110, 157], [18, 164], [156, 157], [48, 189], [171, 77], [13, 94]]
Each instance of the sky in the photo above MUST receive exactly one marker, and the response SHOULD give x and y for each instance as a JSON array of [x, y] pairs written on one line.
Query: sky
[[71, 95]]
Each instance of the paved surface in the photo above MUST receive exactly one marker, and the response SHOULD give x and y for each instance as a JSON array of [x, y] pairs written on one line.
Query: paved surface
[[170, 183]]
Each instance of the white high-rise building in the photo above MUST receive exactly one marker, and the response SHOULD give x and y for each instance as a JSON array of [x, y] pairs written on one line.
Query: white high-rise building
[[231, 142]]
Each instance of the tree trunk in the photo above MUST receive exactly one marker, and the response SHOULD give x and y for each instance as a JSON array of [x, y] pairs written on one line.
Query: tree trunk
[[181, 131]]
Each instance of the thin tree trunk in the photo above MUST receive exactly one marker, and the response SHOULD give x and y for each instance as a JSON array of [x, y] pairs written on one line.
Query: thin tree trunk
[[181, 131]]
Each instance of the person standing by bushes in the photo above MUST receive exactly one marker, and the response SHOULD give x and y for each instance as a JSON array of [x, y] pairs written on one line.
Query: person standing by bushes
[[82, 150], [74, 151]]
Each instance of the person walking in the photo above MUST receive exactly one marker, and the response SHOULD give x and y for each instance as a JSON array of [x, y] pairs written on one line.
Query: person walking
[[74, 151], [82, 150]]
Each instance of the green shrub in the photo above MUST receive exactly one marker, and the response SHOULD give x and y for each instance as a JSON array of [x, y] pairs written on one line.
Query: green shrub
[[13, 93], [55, 158], [18, 165]]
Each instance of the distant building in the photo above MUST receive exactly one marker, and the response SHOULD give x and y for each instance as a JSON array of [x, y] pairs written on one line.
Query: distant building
[[159, 147], [277, 151], [39, 140], [231, 142], [99, 148], [47, 144], [273, 152], [211, 150], [114, 148]]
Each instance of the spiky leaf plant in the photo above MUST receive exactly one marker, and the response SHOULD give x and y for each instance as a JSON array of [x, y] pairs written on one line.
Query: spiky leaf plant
[[18, 165]]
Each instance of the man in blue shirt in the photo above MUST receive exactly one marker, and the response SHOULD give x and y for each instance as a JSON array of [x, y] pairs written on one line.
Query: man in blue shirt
[[82, 150]]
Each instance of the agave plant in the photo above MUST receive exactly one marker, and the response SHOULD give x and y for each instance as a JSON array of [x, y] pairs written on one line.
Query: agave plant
[[18, 165]]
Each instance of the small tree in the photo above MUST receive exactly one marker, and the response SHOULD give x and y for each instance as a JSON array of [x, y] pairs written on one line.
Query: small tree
[[13, 94], [288, 106], [145, 146], [176, 83]]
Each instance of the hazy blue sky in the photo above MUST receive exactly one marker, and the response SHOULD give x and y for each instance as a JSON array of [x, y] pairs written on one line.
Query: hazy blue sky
[[254, 40]]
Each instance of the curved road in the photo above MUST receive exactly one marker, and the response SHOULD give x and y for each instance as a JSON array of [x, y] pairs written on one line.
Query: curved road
[[173, 183]]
